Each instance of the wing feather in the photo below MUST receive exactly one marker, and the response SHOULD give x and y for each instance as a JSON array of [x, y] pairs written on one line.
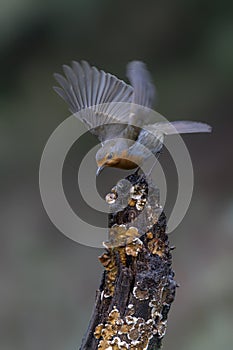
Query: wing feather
[[85, 87], [140, 79]]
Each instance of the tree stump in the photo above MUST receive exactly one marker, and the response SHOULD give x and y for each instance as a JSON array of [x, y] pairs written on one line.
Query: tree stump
[[138, 286]]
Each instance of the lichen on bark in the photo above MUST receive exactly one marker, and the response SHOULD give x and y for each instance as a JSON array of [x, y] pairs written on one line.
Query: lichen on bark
[[138, 285]]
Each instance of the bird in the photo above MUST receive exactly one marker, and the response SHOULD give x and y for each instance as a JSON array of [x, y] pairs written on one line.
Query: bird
[[120, 114]]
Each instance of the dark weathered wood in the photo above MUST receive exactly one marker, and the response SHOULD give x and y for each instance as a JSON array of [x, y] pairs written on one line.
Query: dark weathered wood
[[138, 285]]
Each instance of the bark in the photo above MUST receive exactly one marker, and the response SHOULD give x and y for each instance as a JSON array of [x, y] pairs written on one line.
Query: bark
[[138, 286]]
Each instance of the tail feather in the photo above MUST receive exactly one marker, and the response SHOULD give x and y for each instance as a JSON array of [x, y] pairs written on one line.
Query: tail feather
[[181, 127]]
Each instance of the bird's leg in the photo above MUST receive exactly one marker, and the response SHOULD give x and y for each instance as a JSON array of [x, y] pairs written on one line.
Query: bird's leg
[[137, 170]]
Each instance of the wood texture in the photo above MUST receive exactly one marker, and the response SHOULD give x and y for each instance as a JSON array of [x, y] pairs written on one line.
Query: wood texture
[[138, 285]]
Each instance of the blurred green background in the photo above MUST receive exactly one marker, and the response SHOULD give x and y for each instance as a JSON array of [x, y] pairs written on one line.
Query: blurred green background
[[48, 282]]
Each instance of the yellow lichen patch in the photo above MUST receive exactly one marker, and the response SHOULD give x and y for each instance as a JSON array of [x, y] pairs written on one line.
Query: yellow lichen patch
[[140, 294], [129, 332], [116, 344], [149, 235], [98, 330], [120, 235], [132, 202], [161, 328], [104, 345], [116, 236], [124, 329], [134, 247], [112, 274], [109, 331], [132, 232], [111, 197], [108, 261], [113, 316], [156, 246], [130, 320], [122, 255], [122, 241]]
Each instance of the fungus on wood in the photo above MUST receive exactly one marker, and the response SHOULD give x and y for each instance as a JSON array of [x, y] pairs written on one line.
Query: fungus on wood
[[138, 286]]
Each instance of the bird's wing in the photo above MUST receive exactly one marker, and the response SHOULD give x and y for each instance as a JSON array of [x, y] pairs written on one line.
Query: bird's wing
[[140, 79], [94, 97], [143, 95], [148, 142]]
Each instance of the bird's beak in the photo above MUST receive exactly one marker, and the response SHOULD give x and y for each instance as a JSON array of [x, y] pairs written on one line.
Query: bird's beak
[[100, 169]]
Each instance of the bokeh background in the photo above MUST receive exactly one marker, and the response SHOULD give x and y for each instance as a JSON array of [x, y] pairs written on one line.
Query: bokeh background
[[48, 282]]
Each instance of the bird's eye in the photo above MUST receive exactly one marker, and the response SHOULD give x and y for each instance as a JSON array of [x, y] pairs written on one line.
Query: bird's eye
[[110, 155]]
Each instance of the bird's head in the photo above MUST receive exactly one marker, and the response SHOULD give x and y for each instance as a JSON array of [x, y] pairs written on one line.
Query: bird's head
[[107, 156], [115, 153]]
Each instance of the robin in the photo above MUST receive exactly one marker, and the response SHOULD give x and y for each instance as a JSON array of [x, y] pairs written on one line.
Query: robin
[[119, 114]]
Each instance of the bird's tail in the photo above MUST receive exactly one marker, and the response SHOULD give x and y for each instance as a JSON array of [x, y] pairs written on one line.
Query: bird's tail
[[180, 127]]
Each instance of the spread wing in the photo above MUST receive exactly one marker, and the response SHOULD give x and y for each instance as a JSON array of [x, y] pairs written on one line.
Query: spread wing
[[94, 97], [143, 96], [140, 79]]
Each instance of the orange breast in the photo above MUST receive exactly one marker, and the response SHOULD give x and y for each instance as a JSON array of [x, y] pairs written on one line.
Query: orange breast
[[131, 163], [125, 164]]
